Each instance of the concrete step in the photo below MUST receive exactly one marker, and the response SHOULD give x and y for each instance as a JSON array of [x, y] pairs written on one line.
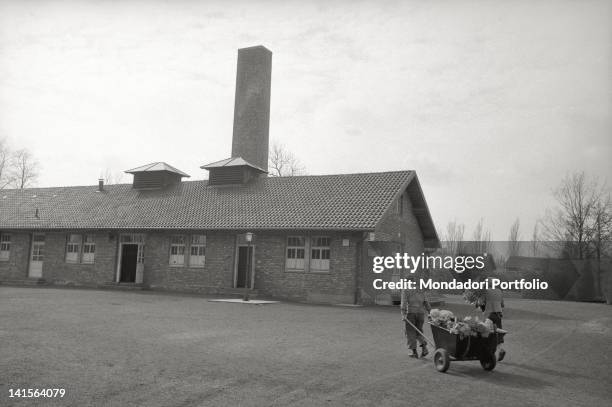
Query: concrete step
[[240, 292], [123, 286]]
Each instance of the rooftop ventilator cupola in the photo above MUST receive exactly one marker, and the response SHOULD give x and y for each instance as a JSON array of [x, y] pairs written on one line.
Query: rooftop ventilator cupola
[[157, 175]]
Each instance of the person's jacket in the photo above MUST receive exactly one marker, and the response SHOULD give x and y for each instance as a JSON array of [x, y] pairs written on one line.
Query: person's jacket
[[414, 302], [494, 301]]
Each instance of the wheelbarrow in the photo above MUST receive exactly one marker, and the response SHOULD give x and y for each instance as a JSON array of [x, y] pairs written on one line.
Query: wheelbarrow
[[451, 346]]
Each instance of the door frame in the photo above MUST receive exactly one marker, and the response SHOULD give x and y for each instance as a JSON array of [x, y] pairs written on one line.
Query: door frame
[[139, 266], [236, 258], [31, 252]]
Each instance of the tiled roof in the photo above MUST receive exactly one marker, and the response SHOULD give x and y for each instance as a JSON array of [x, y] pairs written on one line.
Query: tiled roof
[[327, 202], [158, 166]]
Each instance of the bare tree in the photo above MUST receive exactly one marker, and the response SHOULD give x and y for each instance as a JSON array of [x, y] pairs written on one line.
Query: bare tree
[[454, 238], [111, 177], [5, 175], [283, 163], [24, 169], [571, 223], [602, 226], [482, 238], [513, 239], [535, 236]]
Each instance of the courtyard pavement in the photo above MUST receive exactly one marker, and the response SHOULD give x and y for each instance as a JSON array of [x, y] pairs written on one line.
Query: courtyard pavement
[[116, 348]]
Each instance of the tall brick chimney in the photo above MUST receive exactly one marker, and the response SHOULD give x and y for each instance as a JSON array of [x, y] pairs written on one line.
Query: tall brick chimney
[[252, 106]]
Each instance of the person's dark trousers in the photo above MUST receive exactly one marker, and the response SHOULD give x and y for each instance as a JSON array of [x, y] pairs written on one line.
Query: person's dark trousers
[[411, 334], [496, 317]]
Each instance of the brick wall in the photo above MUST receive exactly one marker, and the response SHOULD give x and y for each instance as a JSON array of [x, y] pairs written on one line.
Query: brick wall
[[57, 271], [271, 277], [395, 233], [16, 267], [338, 285], [216, 275]]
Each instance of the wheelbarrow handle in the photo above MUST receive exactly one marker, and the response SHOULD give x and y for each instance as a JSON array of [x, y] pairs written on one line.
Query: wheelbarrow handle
[[419, 331]]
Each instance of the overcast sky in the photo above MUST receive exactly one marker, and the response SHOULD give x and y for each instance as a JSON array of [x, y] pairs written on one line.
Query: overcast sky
[[491, 102]]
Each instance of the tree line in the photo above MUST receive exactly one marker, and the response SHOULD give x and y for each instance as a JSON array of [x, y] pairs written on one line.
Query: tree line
[[579, 226]]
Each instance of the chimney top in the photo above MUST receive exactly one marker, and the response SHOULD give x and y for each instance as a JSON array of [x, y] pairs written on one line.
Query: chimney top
[[101, 184], [255, 47]]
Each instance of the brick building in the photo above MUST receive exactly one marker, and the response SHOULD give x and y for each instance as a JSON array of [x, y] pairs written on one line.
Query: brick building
[[306, 238]]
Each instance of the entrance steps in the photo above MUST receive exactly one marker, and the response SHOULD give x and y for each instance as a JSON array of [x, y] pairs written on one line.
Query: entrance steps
[[123, 286]]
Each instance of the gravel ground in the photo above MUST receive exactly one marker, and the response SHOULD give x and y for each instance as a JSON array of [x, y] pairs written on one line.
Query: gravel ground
[[112, 348]]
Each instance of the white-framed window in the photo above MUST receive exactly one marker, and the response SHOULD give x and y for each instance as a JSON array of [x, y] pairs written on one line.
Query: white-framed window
[[73, 248], [197, 251], [177, 250], [132, 238], [5, 246], [296, 250], [320, 253], [89, 249]]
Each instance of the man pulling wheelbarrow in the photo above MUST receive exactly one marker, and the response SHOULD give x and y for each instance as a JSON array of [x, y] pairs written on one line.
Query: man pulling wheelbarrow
[[413, 307]]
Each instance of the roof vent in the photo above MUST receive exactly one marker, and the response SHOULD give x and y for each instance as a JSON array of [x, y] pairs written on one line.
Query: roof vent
[[232, 171], [156, 176]]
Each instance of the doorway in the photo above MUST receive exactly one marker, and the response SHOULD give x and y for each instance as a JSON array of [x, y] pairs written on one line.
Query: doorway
[[37, 256], [129, 259], [244, 267]]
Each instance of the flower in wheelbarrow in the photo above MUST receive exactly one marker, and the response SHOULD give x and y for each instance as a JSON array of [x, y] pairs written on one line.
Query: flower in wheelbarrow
[[446, 315], [477, 327], [441, 318], [481, 328], [462, 329]]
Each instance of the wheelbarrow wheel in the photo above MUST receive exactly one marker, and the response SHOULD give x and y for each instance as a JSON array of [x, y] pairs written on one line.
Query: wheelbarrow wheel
[[441, 360], [488, 361]]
